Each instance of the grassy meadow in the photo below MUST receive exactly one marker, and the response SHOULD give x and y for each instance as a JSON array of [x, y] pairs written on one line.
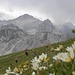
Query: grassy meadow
[[59, 68]]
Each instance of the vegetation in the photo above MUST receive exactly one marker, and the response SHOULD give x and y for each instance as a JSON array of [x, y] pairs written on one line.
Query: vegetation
[[58, 68], [73, 31]]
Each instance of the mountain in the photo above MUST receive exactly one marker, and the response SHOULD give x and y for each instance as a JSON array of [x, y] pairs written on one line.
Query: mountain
[[10, 36], [27, 32], [14, 36], [46, 26], [47, 33], [11, 31], [67, 29], [25, 21]]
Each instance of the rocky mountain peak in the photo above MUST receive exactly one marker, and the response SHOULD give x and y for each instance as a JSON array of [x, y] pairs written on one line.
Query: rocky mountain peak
[[46, 26], [69, 25], [47, 21], [25, 16]]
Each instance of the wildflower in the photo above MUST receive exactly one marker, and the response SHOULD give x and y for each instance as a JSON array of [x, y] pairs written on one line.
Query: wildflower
[[18, 70], [8, 71], [51, 65], [52, 73], [68, 59], [52, 49], [73, 46], [73, 72], [35, 60], [35, 66], [62, 56], [42, 57], [46, 60], [59, 48], [33, 73], [42, 68], [71, 52], [45, 68], [69, 49], [26, 65]]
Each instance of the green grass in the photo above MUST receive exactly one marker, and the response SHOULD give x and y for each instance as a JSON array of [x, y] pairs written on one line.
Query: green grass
[[9, 60]]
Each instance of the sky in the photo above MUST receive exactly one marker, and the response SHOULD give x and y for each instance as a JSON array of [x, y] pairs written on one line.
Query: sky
[[58, 11]]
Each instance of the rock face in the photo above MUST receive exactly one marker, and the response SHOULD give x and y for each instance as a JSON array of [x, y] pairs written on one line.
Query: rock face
[[25, 21], [67, 29], [28, 32], [46, 26], [10, 36], [9, 32], [48, 34]]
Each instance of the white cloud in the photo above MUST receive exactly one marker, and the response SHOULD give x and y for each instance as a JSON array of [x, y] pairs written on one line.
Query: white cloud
[[59, 11]]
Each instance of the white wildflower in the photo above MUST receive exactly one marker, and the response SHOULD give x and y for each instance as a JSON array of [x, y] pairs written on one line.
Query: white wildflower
[[71, 52], [35, 66], [52, 74], [8, 71], [33, 73], [73, 46], [42, 57], [18, 71], [73, 72], [51, 65]]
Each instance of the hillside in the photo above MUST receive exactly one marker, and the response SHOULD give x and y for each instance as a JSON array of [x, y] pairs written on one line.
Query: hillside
[[9, 60]]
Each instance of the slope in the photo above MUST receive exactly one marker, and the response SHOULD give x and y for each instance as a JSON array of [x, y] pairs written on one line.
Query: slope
[[9, 60]]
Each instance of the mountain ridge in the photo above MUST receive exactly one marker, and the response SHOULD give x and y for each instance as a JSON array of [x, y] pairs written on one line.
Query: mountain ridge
[[33, 33]]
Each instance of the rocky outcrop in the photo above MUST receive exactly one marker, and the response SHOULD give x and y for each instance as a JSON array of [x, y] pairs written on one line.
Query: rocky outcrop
[[11, 31], [46, 26]]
